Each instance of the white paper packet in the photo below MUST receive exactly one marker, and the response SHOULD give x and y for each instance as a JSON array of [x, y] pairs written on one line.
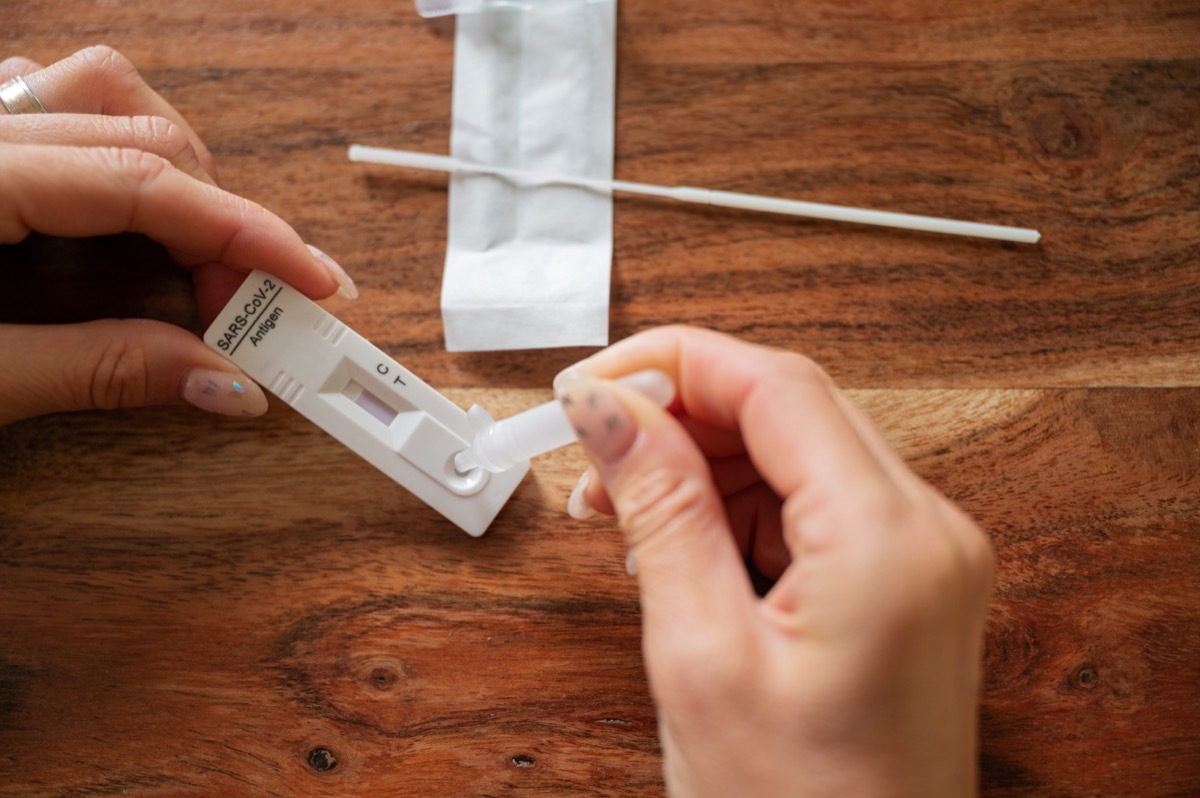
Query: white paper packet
[[442, 8], [528, 266]]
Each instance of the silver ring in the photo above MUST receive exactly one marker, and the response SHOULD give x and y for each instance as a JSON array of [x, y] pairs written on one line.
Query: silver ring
[[18, 98]]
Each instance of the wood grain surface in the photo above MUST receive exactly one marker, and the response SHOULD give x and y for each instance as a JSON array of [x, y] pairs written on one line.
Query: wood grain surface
[[198, 606]]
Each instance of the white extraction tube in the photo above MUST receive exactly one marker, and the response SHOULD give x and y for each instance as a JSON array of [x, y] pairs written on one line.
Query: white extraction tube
[[499, 445]]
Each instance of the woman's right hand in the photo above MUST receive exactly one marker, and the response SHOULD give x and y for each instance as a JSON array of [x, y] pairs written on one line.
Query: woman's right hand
[[858, 672]]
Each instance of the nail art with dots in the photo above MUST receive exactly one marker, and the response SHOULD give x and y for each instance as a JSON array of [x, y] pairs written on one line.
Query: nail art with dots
[[601, 422], [222, 392]]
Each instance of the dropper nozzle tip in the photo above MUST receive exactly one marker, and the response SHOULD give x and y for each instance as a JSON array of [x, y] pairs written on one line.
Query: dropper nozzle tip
[[464, 462]]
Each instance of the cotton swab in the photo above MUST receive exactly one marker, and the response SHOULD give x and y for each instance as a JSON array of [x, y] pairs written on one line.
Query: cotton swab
[[727, 199]]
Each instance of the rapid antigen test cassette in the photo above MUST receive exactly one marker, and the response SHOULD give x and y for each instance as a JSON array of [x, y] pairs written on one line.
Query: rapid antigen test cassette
[[352, 390]]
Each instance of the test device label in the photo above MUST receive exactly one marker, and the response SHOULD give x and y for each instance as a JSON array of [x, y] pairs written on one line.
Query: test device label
[[259, 314]]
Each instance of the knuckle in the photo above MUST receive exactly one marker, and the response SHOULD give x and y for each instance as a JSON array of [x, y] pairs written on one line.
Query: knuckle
[[14, 65], [783, 371], [886, 503], [659, 500], [159, 135], [117, 374], [871, 504], [139, 164], [977, 555], [106, 71], [953, 557], [968, 553], [794, 367], [698, 674], [106, 59]]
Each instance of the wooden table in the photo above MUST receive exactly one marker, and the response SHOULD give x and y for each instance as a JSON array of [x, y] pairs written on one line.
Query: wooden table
[[197, 606]]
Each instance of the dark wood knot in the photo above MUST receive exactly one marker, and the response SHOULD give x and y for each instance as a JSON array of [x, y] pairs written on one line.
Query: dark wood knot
[[322, 759], [1064, 132]]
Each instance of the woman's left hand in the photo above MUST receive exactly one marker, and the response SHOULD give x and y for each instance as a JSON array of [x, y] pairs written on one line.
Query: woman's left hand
[[113, 156]]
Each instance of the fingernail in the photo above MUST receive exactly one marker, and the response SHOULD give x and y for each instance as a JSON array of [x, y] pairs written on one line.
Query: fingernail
[[562, 379], [601, 423], [630, 565], [222, 392], [655, 385], [346, 286], [577, 506]]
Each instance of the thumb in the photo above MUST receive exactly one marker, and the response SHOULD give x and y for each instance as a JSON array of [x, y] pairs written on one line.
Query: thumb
[[116, 363], [688, 567]]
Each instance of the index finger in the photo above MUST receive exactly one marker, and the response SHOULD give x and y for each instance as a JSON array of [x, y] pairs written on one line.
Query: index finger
[[100, 80], [82, 191], [795, 428]]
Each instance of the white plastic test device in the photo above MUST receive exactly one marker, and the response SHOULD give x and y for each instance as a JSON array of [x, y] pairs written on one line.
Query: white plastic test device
[[352, 390]]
